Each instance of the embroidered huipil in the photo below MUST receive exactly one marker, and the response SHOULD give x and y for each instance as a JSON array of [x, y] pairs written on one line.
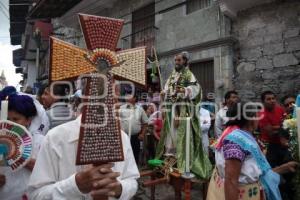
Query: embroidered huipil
[[250, 172]]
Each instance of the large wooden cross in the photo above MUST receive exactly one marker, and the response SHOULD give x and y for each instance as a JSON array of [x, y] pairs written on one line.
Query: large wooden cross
[[100, 135]]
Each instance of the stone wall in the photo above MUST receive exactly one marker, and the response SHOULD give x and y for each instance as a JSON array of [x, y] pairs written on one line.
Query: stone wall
[[268, 53]]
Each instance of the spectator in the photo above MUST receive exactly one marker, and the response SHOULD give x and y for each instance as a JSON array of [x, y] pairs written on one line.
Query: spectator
[[58, 110], [286, 187], [208, 103], [205, 123], [40, 93], [13, 184], [39, 124], [153, 129], [156, 121], [240, 164], [271, 118], [288, 102], [133, 122], [56, 176], [231, 97]]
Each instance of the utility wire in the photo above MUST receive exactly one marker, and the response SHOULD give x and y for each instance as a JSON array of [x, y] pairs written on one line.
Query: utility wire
[[4, 6], [4, 10], [4, 13]]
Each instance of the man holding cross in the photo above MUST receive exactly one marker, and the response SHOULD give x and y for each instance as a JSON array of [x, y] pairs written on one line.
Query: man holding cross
[[90, 157], [55, 175]]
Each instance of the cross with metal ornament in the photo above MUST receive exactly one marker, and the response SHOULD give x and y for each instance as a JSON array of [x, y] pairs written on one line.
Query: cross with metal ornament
[[100, 135]]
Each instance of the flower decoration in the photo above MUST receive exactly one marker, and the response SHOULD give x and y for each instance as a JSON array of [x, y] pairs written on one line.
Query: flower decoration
[[290, 123]]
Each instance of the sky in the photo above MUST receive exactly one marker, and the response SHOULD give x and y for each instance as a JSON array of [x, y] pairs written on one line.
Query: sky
[[6, 49]]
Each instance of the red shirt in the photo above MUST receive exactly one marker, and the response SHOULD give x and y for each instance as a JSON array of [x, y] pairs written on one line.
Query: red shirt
[[273, 118], [158, 124]]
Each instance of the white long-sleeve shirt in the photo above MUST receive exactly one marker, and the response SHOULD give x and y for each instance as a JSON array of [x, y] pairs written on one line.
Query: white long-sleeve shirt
[[205, 122], [53, 176], [221, 120]]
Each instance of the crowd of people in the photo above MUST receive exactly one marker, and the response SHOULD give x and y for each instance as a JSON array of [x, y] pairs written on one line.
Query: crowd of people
[[251, 148]]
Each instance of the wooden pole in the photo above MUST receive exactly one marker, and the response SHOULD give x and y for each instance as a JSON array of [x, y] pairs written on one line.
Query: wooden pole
[[158, 67]]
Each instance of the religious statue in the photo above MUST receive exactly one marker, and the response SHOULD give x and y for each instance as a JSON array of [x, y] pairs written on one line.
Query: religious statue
[[182, 93]]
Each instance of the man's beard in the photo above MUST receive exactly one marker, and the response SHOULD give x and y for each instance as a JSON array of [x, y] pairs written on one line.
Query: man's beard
[[179, 67]]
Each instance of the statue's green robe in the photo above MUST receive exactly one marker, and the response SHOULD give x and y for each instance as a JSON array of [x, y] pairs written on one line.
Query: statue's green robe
[[199, 162]]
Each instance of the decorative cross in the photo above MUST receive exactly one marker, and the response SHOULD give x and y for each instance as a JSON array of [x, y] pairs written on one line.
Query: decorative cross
[[100, 136]]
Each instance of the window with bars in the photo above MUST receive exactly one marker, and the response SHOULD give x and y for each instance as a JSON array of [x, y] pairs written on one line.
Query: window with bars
[[194, 5], [143, 27]]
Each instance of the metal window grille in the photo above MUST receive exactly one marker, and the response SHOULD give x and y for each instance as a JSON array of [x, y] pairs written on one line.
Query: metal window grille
[[143, 27]]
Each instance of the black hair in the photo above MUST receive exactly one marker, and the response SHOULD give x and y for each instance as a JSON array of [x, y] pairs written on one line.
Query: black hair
[[41, 90], [240, 114], [284, 133], [229, 93], [185, 60], [7, 91], [286, 97], [265, 93], [22, 104], [184, 56], [59, 89]]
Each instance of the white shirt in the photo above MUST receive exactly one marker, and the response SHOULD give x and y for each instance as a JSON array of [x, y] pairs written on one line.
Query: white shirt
[[40, 123], [53, 176], [154, 116], [250, 171], [17, 181], [205, 120], [132, 119], [221, 120]]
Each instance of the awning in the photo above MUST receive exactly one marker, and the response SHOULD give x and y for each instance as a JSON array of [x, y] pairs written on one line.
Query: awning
[[45, 9], [18, 10]]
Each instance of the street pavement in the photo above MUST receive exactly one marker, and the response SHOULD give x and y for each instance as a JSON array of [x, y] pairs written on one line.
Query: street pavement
[[166, 192]]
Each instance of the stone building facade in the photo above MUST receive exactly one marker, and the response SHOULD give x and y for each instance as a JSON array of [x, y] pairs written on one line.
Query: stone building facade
[[204, 32], [250, 46], [268, 50]]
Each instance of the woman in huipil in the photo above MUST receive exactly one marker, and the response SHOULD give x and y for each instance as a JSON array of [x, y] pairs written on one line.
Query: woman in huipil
[[242, 171]]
